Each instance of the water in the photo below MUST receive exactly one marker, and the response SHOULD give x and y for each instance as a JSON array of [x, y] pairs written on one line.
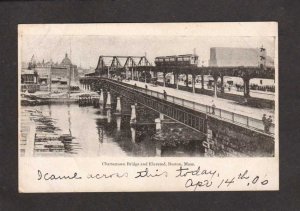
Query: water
[[94, 134]]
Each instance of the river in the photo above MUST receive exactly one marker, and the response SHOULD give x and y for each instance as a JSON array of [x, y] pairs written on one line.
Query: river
[[93, 133]]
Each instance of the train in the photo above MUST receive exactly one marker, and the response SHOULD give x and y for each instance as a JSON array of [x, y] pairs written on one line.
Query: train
[[178, 60]]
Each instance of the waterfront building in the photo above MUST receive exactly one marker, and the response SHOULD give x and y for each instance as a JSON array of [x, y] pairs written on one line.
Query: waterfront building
[[29, 80], [29, 76], [62, 73], [247, 57], [65, 72]]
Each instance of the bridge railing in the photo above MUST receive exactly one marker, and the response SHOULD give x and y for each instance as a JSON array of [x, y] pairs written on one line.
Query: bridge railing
[[239, 119]]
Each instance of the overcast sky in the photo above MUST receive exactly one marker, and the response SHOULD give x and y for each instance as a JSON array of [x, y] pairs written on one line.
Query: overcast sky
[[87, 49]]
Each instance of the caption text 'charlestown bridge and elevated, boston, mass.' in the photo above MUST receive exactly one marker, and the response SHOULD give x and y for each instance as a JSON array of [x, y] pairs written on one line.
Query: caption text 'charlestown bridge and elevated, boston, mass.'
[[171, 106]]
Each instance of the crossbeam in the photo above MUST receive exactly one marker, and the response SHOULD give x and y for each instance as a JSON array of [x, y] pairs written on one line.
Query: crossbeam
[[115, 63]]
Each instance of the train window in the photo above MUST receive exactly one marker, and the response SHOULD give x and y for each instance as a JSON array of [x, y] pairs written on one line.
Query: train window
[[192, 60], [186, 59], [172, 59], [180, 59]]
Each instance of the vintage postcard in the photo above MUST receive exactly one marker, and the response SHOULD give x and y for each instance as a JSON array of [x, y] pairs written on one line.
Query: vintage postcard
[[148, 107]]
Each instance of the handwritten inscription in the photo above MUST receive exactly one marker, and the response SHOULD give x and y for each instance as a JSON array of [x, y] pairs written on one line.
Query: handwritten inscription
[[146, 173], [202, 183], [195, 178], [107, 176], [183, 172], [51, 176]]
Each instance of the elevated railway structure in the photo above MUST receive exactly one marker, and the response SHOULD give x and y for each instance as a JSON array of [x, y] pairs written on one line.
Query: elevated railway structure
[[222, 128], [139, 68]]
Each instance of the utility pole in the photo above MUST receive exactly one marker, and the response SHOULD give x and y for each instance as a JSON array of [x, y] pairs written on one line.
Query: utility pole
[[50, 79], [69, 82]]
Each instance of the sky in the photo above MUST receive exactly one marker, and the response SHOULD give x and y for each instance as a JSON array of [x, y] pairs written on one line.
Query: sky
[[86, 49]]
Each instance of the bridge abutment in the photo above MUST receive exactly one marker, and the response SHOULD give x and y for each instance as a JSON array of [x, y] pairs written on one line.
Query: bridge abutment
[[158, 149], [158, 124], [161, 116], [228, 139], [108, 101], [118, 120], [118, 107], [101, 99], [133, 134], [108, 115], [133, 114]]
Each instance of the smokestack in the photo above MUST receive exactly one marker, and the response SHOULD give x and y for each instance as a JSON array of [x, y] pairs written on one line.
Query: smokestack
[[70, 49], [194, 51], [146, 54]]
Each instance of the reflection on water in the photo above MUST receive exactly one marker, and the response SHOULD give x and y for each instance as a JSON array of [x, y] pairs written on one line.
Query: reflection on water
[[70, 130]]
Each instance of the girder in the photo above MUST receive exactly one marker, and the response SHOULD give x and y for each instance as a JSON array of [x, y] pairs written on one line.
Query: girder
[[141, 63]]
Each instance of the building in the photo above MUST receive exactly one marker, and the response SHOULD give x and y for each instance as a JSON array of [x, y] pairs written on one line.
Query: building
[[63, 73], [29, 80], [247, 57], [29, 76], [43, 70]]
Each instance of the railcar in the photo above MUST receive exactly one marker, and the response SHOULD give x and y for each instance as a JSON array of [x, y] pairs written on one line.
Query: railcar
[[178, 60]]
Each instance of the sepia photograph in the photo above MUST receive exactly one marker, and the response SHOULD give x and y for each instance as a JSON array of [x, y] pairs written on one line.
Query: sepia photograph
[[147, 96], [164, 97]]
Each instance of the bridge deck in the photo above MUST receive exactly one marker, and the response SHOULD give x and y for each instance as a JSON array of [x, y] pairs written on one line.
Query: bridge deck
[[225, 104], [225, 110], [244, 115]]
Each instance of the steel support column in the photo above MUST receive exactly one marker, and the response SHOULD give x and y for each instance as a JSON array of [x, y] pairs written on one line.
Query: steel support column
[[246, 87], [215, 85], [176, 79], [187, 79], [193, 82], [222, 84]]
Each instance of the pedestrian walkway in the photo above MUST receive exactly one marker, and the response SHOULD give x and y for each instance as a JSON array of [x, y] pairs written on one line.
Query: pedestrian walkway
[[253, 93], [224, 104]]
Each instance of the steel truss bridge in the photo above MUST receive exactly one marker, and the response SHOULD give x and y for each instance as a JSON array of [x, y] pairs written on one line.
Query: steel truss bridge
[[189, 113]]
